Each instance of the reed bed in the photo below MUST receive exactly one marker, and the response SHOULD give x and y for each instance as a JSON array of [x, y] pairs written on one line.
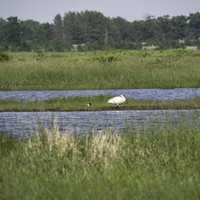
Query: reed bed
[[162, 164], [101, 70]]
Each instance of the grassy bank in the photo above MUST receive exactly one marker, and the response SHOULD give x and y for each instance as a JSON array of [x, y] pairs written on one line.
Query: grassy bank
[[164, 165], [98, 70], [97, 104]]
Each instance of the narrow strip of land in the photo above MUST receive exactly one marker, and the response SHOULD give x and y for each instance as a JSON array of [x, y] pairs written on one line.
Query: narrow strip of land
[[94, 104]]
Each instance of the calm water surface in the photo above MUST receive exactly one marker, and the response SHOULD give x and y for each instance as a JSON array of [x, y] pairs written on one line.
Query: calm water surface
[[139, 94], [27, 123]]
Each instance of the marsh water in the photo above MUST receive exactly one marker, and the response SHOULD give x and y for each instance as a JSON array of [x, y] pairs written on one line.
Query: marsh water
[[138, 94], [28, 123]]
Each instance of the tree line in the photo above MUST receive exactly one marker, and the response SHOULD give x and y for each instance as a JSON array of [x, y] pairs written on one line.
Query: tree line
[[90, 30]]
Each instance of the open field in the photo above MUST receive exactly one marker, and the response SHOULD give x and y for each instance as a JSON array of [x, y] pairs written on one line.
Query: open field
[[97, 103], [164, 164], [100, 70]]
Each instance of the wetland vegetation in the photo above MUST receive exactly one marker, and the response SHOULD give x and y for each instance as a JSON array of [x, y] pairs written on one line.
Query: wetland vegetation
[[159, 164], [95, 104], [100, 70]]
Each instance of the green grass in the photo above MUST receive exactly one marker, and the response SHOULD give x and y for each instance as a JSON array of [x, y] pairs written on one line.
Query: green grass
[[101, 70], [160, 165], [97, 103]]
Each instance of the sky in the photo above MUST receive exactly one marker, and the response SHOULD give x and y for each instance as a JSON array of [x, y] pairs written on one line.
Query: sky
[[46, 10]]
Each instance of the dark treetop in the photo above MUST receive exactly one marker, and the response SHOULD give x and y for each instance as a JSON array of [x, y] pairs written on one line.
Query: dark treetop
[[91, 30]]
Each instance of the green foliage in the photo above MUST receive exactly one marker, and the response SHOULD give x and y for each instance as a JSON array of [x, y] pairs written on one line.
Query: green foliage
[[4, 57], [107, 58], [39, 55], [95, 70], [94, 31], [163, 164]]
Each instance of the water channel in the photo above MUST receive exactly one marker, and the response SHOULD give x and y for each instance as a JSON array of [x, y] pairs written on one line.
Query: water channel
[[138, 94], [28, 123]]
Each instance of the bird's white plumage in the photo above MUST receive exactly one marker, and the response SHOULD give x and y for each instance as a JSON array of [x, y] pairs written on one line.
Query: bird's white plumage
[[117, 100]]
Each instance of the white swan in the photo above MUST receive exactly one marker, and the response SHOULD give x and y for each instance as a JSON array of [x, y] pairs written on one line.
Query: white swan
[[117, 100]]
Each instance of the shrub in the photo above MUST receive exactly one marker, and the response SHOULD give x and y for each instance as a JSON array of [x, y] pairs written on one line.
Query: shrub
[[4, 57], [107, 58]]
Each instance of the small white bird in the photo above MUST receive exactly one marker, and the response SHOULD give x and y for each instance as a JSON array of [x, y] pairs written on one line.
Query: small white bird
[[117, 100]]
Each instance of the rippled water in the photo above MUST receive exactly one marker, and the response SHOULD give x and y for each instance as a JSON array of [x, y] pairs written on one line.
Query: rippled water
[[26, 123], [139, 94]]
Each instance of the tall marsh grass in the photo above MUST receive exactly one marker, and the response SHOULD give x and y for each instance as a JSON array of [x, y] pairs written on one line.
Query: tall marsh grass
[[98, 70], [93, 149], [52, 165]]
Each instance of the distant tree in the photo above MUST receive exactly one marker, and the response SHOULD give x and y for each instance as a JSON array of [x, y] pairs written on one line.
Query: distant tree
[[194, 26], [30, 35], [92, 30], [95, 23], [13, 33], [3, 39], [58, 28]]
